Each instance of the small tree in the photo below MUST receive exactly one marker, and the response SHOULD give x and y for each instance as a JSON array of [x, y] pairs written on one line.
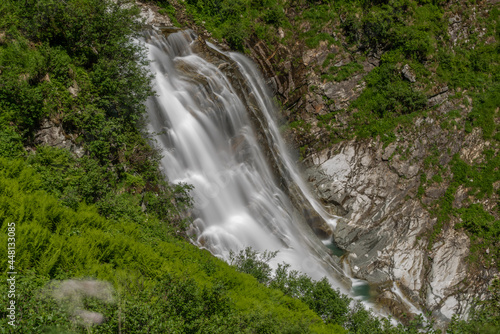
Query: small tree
[[254, 263]]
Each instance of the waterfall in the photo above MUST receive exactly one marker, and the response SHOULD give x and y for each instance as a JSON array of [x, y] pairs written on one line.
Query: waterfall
[[216, 127]]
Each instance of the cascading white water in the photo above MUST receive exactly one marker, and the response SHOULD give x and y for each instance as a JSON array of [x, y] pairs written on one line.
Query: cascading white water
[[208, 141], [214, 120]]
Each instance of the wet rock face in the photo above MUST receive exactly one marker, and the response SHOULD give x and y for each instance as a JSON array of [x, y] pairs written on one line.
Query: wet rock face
[[379, 229], [386, 227]]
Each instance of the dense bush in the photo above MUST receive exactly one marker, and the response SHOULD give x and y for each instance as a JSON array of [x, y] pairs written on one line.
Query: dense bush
[[337, 310], [74, 61], [237, 21], [250, 262], [388, 93]]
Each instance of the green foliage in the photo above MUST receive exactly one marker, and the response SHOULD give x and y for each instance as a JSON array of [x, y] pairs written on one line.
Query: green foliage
[[421, 186], [116, 195], [161, 283], [387, 93], [300, 124], [313, 41], [251, 262], [22, 91], [484, 111], [166, 8], [317, 16], [481, 225], [11, 143], [478, 222], [339, 312], [343, 72], [484, 317], [235, 21], [330, 304], [383, 27], [75, 61], [479, 178], [405, 32]]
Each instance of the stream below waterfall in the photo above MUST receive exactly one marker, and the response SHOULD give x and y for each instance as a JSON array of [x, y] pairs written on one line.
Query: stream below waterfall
[[214, 121]]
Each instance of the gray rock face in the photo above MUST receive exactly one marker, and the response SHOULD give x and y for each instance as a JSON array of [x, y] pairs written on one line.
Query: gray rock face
[[438, 98], [151, 17], [457, 29], [386, 228], [379, 231], [342, 93], [51, 134], [408, 73]]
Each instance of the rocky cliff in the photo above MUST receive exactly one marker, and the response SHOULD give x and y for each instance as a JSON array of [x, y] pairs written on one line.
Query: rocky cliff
[[386, 225], [389, 193]]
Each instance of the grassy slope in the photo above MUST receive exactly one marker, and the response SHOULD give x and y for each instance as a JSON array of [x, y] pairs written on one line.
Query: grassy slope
[[161, 283]]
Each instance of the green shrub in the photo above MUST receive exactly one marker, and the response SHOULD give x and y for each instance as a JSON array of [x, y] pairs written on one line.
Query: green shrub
[[11, 143], [478, 222], [236, 21], [484, 111], [251, 262], [484, 316]]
